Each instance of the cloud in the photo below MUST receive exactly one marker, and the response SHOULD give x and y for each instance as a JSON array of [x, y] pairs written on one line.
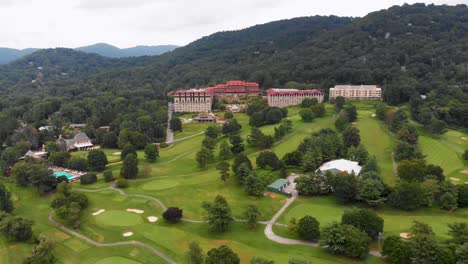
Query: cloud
[[111, 4]]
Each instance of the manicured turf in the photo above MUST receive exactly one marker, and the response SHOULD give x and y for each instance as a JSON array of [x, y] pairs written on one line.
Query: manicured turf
[[446, 151], [114, 260], [327, 210], [379, 143], [118, 218]]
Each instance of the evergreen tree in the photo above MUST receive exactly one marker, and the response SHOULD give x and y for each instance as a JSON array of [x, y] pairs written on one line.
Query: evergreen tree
[[254, 185], [225, 150], [127, 150], [151, 152], [223, 254], [219, 214], [195, 253], [237, 145], [223, 168], [6, 204], [129, 168], [251, 215], [308, 228]]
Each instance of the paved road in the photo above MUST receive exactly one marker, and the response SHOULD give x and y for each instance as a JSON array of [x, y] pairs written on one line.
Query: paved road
[[98, 244], [169, 133]]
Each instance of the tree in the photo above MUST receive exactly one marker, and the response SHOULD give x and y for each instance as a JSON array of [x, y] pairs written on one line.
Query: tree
[[223, 168], [396, 251], [407, 196], [254, 185], [239, 160], [398, 120], [231, 127], [318, 110], [465, 155], [108, 176], [237, 145], [409, 134], [438, 126], [222, 255], [351, 137], [251, 215], [175, 124], [425, 249], [213, 131], [459, 232], [97, 160], [121, 183], [346, 240], [358, 154], [405, 151], [409, 170], [342, 121], [204, 156], [219, 214], [462, 195], [42, 252], [351, 112], [308, 228], [6, 204], [421, 229], [129, 168], [298, 261], [371, 165], [268, 159], [448, 201], [312, 160], [224, 150], [78, 163], [173, 214], [308, 102], [109, 140], [228, 115], [293, 158], [345, 187], [16, 228], [88, 178], [381, 111], [195, 253], [307, 115], [364, 219], [127, 150], [371, 192], [151, 152], [462, 254], [339, 102]]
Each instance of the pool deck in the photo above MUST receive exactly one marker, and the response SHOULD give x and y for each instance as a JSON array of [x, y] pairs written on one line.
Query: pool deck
[[76, 174]]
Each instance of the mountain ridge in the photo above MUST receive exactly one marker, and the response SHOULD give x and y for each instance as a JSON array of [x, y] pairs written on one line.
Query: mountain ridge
[[8, 55]]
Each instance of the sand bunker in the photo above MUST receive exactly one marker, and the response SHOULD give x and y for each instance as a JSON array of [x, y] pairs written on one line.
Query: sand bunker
[[373, 115], [405, 235], [464, 138], [137, 211], [354, 123], [152, 219], [116, 153], [466, 182], [127, 234], [464, 171], [99, 212], [455, 179]]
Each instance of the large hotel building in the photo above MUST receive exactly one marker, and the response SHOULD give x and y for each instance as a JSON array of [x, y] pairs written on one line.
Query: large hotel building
[[200, 100], [371, 92], [287, 97]]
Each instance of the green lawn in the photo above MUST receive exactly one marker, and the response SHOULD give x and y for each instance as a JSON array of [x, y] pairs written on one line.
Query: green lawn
[[379, 143], [446, 151]]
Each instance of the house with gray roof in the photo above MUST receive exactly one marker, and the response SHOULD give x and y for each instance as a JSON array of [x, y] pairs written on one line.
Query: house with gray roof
[[80, 141]]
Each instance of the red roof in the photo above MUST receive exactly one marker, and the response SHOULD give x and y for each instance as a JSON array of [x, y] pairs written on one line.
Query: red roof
[[292, 91], [234, 86], [190, 92]]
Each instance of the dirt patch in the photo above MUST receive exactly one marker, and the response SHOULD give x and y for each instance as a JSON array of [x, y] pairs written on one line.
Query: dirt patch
[[115, 163], [61, 235], [455, 179], [271, 194], [464, 171], [98, 212], [354, 123], [464, 138], [14, 246], [221, 242], [137, 211], [127, 234], [405, 235]]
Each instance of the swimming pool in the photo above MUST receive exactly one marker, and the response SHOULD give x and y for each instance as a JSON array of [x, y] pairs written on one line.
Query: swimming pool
[[61, 173]]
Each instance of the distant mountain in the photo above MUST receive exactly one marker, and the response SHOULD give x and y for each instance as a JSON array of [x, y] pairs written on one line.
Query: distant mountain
[[107, 50], [8, 55]]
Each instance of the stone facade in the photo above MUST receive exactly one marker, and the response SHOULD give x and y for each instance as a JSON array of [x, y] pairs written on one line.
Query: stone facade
[[192, 101], [235, 91], [288, 97], [356, 92]]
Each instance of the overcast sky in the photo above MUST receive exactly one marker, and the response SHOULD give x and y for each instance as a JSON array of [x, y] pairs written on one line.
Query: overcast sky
[[125, 23]]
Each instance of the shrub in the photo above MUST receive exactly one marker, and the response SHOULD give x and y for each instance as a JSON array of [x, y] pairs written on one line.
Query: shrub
[[77, 163], [163, 145], [346, 240], [366, 220], [121, 183], [308, 228], [88, 178], [173, 214], [108, 176]]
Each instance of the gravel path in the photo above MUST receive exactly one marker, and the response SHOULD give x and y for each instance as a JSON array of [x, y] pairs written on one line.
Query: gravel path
[[113, 244], [169, 132]]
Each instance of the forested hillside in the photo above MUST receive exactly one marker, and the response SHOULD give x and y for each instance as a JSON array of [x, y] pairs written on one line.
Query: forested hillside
[[408, 50]]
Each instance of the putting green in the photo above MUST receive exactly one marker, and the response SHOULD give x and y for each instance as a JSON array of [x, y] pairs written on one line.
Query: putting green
[[117, 260], [159, 185], [118, 218]]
